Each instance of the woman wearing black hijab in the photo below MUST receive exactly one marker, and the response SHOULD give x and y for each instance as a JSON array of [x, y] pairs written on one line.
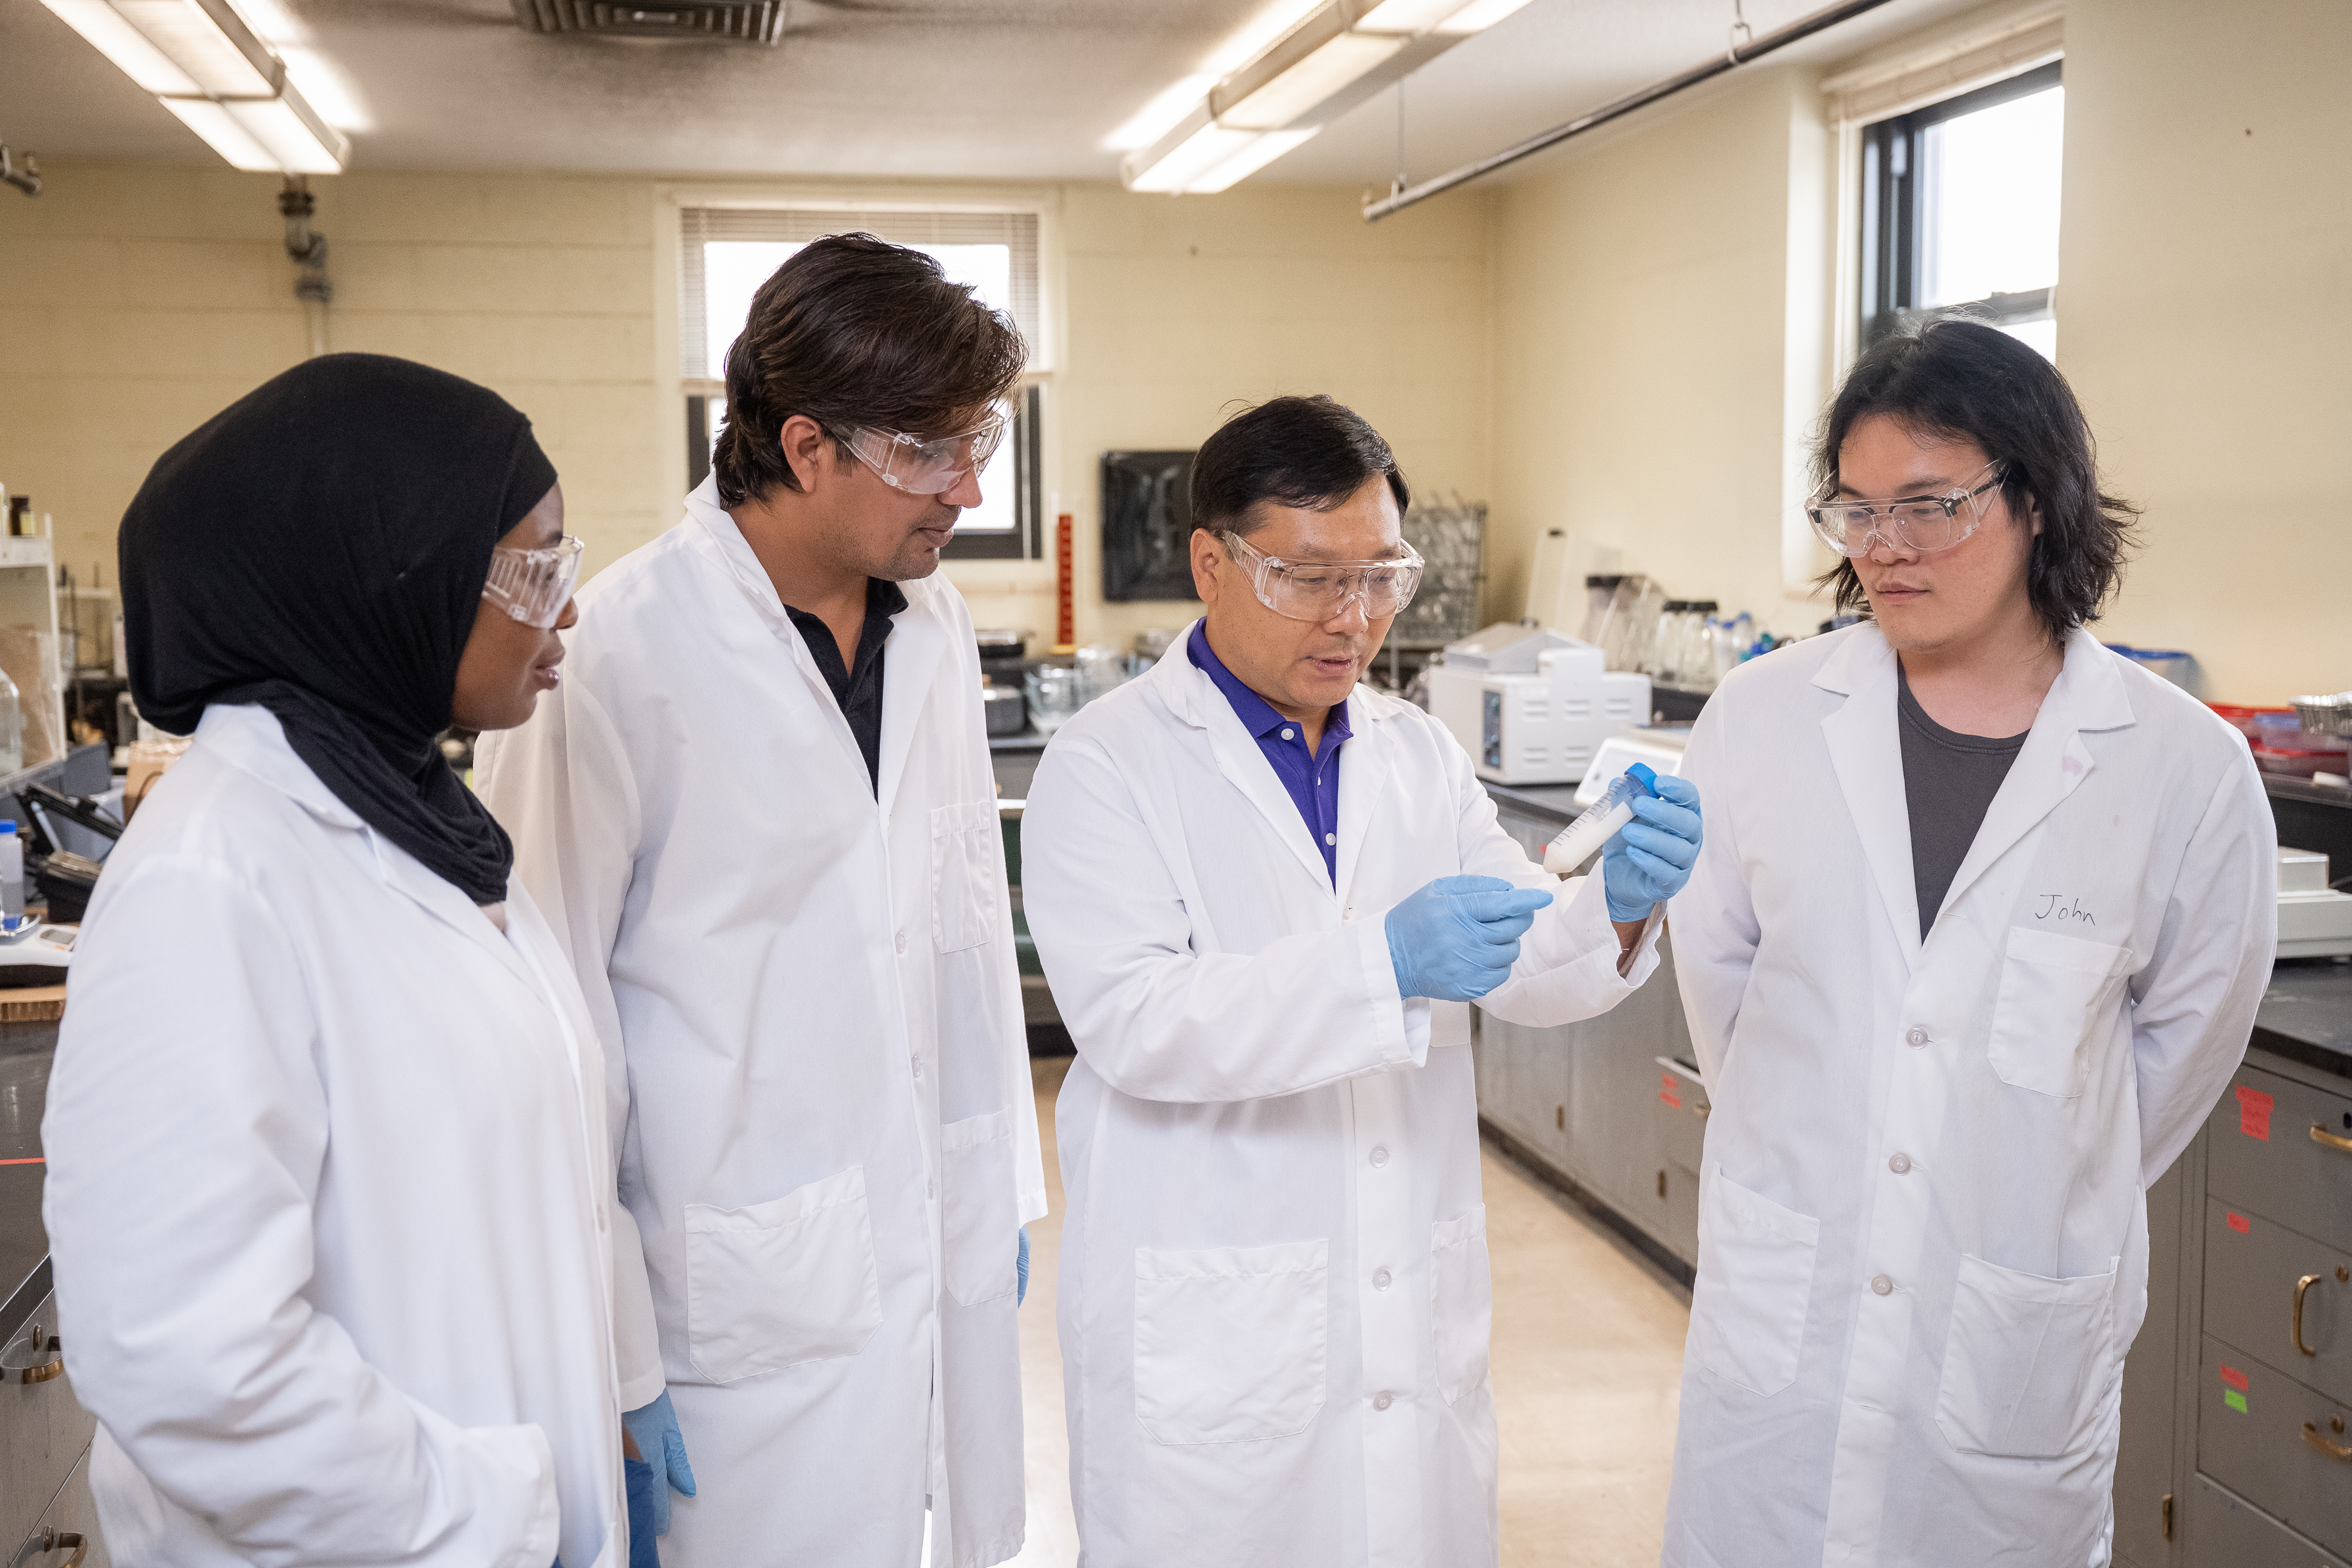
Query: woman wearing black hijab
[[330, 1186]]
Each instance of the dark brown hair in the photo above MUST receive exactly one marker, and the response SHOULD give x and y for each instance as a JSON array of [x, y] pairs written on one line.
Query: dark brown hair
[[1963, 380], [852, 332], [1308, 452]]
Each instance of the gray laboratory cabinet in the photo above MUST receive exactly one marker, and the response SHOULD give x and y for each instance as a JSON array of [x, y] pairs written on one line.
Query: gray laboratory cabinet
[[2236, 1448]]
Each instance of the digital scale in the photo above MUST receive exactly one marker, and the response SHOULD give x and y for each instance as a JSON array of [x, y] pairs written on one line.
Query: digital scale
[[34, 953]]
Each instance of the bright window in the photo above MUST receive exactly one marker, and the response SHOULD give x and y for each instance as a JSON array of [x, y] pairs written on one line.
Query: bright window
[[1960, 203]]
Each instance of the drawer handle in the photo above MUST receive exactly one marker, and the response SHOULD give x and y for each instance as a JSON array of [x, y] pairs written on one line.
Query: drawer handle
[[2310, 1434], [2322, 1135], [2303, 1288], [32, 1343], [55, 1540]]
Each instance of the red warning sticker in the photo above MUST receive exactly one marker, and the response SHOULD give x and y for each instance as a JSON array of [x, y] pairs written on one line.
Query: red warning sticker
[[2253, 1113], [2241, 1224], [1668, 1089], [2233, 1377]]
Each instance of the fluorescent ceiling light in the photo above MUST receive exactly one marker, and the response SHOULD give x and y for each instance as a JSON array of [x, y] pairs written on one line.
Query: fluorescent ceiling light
[[1406, 15], [1305, 84], [1261, 150], [1478, 16], [1171, 165], [206, 66], [1152, 122]]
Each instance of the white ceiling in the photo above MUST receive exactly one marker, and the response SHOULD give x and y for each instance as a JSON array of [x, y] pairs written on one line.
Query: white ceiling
[[993, 88]]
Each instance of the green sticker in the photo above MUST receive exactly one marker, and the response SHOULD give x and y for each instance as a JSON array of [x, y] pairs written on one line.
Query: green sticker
[[2234, 1400]]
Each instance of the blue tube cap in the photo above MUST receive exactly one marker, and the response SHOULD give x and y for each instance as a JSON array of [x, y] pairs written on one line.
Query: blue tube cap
[[1641, 771]]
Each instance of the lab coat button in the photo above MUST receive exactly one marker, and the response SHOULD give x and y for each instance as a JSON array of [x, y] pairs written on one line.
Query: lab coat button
[[1381, 1277], [919, 1070], [902, 948], [1900, 1164], [1382, 1400], [1880, 1284], [1916, 1038], [1380, 1155]]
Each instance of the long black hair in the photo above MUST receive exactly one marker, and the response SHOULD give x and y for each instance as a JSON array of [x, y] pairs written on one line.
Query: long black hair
[[1963, 380]]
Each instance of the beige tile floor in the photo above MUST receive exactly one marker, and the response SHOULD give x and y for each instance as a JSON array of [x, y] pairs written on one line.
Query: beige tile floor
[[1587, 1355]]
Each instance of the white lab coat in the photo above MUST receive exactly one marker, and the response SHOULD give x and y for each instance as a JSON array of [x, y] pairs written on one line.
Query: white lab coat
[[329, 1196], [1274, 1296], [1923, 1236], [833, 1143]]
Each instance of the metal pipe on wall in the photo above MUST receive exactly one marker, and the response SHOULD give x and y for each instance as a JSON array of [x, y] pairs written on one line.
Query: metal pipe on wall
[[1737, 55]]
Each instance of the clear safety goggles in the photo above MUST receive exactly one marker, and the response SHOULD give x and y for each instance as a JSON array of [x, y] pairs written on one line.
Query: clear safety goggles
[[1919, 524], [1322, 590], [926, 465], [533, 586]]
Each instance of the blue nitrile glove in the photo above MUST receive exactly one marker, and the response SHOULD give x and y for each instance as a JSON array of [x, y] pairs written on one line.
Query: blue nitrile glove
[[655, 1427], [1647, 861], [643, 1488], [1457, 939], [1022, 1266]]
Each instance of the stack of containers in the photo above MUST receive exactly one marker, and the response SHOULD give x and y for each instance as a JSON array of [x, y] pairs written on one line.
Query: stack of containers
[[2281, 744]]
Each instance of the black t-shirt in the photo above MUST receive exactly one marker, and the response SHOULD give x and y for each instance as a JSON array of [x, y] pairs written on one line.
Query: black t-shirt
[[858, 689], [1949, 783]]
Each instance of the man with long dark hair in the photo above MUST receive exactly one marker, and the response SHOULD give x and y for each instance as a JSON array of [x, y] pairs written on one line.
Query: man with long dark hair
[[1973, 945], [761, 803]]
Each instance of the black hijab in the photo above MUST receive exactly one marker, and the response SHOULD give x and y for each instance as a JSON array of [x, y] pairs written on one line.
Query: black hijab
[[319, 548]]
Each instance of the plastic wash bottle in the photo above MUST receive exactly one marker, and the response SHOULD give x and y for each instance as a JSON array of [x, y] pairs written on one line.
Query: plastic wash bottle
[[1580, 840]]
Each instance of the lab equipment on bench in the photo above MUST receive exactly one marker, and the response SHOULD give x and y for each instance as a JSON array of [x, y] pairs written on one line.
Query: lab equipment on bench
[[65, 879], [1582, 840], [2314, 919], [12, 871], [1658, 748], [1531, 705], [34, 953]]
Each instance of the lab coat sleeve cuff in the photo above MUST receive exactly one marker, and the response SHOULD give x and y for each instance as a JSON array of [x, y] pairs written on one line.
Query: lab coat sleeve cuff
[[1567, 965], [1400, 1023], [498, 1489]]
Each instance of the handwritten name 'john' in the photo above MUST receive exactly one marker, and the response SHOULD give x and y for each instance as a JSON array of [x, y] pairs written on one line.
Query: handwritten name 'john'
[[2059, 908]]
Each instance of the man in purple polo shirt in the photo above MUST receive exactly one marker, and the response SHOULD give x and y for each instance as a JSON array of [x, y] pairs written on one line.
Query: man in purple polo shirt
[[1265, 897]]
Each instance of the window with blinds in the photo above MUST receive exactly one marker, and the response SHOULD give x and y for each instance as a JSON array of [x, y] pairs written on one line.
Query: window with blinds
[[728, 252]]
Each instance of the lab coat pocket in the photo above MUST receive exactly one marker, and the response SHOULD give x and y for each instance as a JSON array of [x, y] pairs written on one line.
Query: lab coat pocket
[[966, 848], [783, 1282], [978, 1219], [2058, 995], [1462, 1302], [1230, 1342], [1755, 1284], [2025, 1362]]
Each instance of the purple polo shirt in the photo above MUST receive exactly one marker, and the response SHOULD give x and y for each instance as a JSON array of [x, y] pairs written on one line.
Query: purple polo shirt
[[1313, 781]]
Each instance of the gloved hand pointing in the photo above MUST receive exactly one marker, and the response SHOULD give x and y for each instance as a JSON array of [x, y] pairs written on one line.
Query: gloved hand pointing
[[1647, 861], [1457, 939], [655, 1427]]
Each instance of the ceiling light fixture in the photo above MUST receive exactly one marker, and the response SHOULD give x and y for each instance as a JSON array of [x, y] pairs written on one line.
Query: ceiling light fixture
[[205, 64], [1327, 61]]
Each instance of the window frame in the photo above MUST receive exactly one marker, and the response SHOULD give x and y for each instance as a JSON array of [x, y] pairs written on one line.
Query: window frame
[[1893, 220]]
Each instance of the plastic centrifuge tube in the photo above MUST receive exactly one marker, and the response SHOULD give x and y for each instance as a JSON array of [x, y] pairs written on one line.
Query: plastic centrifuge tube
[[1580, 840]]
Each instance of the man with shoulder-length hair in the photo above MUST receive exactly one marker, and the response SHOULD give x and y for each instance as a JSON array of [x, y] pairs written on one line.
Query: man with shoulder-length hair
[[1265, 896], [1973, 946], [759, 812]]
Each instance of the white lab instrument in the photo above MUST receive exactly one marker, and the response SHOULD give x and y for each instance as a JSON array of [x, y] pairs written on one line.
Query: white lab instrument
[[32, 952], [331, 1301], [1531, 705], [1558, 581], [1258, 1133], [810, 976], [1581, 841], [1657, 747], [1922, 1237], [2314, 919]]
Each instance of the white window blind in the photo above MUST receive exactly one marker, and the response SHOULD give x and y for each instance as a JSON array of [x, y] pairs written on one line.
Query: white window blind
[[729, 251]]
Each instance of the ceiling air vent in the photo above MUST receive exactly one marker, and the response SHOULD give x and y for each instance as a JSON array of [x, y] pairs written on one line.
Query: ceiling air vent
[[725, 21]]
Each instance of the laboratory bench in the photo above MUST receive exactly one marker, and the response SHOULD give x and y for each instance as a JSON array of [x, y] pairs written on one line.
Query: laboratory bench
[[2238, 1391]]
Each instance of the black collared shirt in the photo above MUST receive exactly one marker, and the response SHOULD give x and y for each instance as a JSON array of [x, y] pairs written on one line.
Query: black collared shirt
[[857, 688]]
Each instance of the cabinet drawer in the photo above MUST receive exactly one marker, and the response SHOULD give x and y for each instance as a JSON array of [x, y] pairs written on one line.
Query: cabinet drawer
[[2225, 1531], [2260, 1433], [2264, 1159], [2254, 1270], [72, 1512], [42, 1432], [1681, 1107]]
